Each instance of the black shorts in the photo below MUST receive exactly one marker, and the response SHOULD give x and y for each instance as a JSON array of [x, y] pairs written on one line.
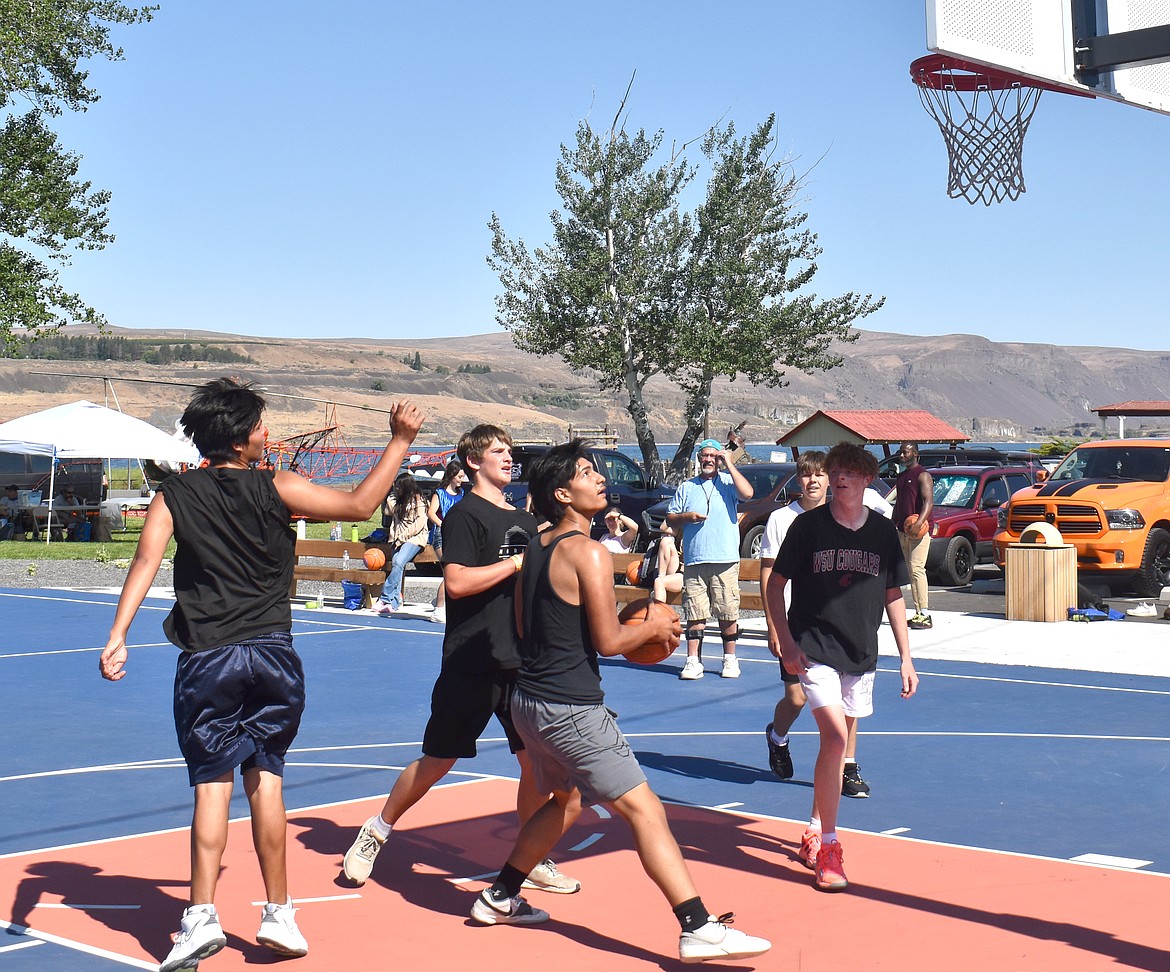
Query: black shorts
[[786, 676], [238, 705], [462, 704]]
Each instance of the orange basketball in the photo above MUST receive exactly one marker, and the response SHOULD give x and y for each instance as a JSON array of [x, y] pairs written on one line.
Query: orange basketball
[[638, 612], [632, 572], [375, 559], [911, 528]]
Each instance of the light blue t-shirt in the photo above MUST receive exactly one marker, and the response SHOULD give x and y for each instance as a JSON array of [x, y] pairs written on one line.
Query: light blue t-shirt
[[714, 540]]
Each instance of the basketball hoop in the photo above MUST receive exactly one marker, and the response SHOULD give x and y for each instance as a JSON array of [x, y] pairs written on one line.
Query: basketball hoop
[[983, 115]]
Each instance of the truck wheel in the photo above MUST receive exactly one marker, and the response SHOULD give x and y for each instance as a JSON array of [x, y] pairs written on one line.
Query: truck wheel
[[752, 541], [1155, 570], [958, 566]]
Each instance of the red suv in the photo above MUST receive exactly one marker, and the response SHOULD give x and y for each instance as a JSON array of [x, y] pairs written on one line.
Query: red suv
[[964, 519]]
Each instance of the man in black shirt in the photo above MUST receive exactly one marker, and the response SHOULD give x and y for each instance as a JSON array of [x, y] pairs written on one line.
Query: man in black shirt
[[845, 565], [484, 539]]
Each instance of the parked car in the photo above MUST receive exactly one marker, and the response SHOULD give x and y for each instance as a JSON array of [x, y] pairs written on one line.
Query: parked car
[[84, 476], [626, 485], [934, 457], [775, 486], [1111, 500], [967, 500]]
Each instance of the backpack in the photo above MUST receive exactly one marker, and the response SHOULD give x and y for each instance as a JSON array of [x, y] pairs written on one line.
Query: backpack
[[648, 569]]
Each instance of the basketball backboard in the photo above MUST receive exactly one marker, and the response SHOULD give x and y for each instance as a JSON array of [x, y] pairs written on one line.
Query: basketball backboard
[[1053, 41]]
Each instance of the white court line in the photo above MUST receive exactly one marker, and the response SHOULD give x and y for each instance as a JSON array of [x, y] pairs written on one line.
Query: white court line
[[79, 947], [894, 831], [727, 806], [1107, 860], [88, 907], [1043, 684], [301, 901], [20, 945], [587, 842]]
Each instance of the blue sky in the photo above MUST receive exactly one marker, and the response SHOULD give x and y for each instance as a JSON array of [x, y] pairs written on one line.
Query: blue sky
[[326, 170]]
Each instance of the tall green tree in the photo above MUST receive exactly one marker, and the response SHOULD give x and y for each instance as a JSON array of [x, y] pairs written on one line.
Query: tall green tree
[[631, 286], [46, 210], [747, 311], [605, 293]]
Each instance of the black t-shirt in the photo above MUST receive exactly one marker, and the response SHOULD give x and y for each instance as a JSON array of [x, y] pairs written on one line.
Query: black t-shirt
[[481, 628], [559, 660], [233, 557], [839, 580]]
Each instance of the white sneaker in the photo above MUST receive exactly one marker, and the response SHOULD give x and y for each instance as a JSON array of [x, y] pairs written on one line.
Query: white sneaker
[[730, 667], [199, 936], [438, 615], [715, 940], [546, 876], [692, 668], [279, 931], [1143, 610], [508, 911], [359, 859]]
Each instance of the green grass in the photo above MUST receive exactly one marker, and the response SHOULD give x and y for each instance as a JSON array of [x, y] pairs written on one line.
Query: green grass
[[122, 547]]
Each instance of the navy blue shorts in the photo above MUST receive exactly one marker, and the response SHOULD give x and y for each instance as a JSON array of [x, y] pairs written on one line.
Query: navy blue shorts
[[238, 705], [462, 704]]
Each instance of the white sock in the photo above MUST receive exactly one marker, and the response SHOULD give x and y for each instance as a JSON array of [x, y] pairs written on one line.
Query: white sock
[[814, 823], [829, 837], [379, 826], [779, 740]]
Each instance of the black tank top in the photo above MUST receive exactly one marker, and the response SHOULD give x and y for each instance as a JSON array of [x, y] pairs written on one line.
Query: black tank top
[[558, 661], [233, 557]]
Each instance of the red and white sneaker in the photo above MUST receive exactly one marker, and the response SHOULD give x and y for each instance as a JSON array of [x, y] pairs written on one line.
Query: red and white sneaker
[[830, 875], [810, 844]]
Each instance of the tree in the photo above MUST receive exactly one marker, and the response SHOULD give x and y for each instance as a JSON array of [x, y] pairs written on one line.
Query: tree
[[631, 287], [744, 310], [605, 293], [43, 202]]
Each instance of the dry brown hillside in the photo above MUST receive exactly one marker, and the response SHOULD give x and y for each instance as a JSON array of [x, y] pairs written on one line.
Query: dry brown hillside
[[990, 390]]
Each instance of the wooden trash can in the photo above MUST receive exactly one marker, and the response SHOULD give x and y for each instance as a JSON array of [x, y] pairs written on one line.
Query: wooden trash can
[[1041, 581]]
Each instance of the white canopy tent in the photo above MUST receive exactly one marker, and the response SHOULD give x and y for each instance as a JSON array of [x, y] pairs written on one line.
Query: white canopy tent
[[83, 430]]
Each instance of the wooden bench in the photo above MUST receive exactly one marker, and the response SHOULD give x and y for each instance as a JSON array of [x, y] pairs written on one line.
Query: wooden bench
[[749, 571], [357, 572]]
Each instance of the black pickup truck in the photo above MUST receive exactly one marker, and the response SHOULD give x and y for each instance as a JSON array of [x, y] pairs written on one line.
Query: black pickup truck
[[626, 484]]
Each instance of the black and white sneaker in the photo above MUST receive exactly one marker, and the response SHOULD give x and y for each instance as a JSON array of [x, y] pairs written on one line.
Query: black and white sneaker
[[489, 910], [852, 785], [779, 758]]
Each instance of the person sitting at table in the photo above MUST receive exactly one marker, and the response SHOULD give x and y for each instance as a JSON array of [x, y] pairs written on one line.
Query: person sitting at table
[[17, 522], [69, 515]]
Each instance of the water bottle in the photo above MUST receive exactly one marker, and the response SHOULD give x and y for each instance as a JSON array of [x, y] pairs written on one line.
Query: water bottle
[[335, 533], [300, 529], [345, 560], [353, 533]]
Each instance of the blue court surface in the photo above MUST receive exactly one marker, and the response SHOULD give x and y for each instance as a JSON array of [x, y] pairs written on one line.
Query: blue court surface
[[1038, 762]]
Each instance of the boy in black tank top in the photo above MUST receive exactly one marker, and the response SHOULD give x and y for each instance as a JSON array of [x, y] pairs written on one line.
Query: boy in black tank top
[[567, 617], [239, 685]]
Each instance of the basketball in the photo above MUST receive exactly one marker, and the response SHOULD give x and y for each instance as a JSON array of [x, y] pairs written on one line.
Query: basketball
[[911, 528], [632, 572], [637, 612], [375, 559]]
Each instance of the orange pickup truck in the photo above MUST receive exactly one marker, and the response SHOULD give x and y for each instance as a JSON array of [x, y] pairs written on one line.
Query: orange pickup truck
[[1111, 500]]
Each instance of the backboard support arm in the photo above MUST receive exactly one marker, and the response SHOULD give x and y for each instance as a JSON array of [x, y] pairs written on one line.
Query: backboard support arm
[[1109, 51]]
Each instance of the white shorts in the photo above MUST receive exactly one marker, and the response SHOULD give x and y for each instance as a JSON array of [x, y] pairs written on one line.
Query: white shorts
[[827, 686]]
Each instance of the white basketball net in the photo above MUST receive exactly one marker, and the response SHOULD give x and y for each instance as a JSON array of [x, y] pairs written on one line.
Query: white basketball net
[[984, 130]]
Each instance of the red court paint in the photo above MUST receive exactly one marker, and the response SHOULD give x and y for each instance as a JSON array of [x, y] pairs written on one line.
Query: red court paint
[[913, 907]]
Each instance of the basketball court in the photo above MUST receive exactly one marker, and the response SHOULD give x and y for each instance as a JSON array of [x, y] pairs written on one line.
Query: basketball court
[[1000, 833]]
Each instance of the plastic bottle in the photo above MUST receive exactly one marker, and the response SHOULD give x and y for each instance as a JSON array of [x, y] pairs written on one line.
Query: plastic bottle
[[300, 529], [353, 533], [335, 533], [345, 560]]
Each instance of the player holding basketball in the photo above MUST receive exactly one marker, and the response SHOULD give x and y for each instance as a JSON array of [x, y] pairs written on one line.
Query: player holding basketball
[[239, 685], [565, 613], [845, 565], [484, 539]]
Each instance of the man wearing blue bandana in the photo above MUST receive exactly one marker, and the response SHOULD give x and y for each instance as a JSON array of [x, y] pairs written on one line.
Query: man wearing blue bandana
[[702, 514]]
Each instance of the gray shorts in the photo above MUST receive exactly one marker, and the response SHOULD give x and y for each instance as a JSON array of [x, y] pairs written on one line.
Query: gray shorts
[[576, 746]]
